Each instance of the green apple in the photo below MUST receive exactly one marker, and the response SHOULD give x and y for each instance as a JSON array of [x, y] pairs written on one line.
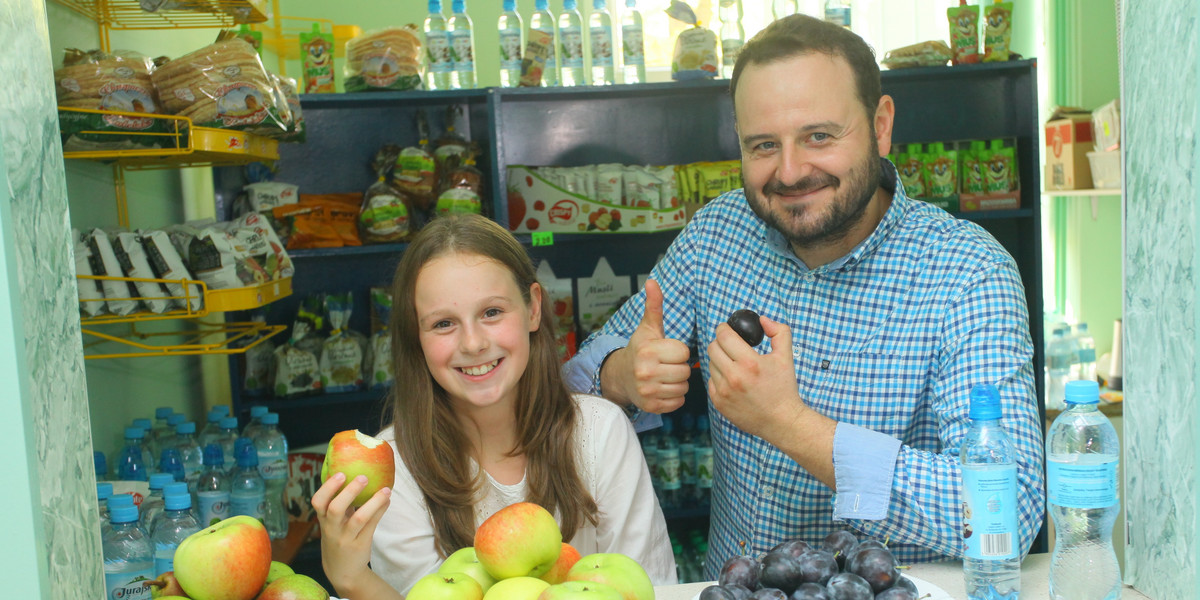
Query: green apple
[[516, 588], [581, 590], [228, 560], [521, 539], [464, 560], [293, 587], [355, 453], [617, 570], [446, 586], [566, 559], [278, 570]]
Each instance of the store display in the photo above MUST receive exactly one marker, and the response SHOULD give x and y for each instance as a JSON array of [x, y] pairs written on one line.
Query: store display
[[695, 54], [462, 46], [964, 32], [385, 59], [570, 34], [997, 32], [317, 54]]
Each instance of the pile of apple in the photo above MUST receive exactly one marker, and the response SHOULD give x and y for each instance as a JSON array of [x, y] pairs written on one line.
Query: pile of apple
[[231, 560], [519, 555]]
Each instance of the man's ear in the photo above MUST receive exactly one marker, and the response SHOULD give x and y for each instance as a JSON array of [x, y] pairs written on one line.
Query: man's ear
[[885, 119]]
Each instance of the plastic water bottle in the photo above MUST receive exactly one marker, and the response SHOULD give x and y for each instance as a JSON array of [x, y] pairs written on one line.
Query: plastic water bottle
[[733, 35], [992, 560], [687, 458], [512, 42], [668, 464], [681, 571], [247, 491], [161, 428], [228, 440], [153, 503], [541, 20], [104, 491], [212, 429], [1085, 353], [190, 453], [1059, 358], [838, 12], [462, 47], [131, 463], [570, 33], [166, 439], [650, 452], [600, 36], [171, 464], [1082, 454], [272, 448], [704, 461], [149, 448], [783, 8], [100, 464], [255, 424], [174, 525], [439, 63], [212, 489], [128, 554], [633, 49]]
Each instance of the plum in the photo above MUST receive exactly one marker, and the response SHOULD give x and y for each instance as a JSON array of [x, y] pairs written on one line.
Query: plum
[[848, 586], [739, 591], [745, 322], [769, 594], [907, 584], [809, 591], [742, 570], [818, 566], [781, 570], [716, 592], [793, 547], [896, 593], [841, 543], [877, 566]]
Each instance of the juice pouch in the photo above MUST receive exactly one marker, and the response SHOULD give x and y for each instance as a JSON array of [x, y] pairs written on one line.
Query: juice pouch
[[912, 172], [254, 38], [997, 32], [316, 53], [695, 55], [964, 33], [941, 171], [973, 179], [999, 172]]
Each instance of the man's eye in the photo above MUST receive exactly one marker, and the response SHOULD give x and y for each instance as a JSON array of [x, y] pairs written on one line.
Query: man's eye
[[820, 137], [764, 147]]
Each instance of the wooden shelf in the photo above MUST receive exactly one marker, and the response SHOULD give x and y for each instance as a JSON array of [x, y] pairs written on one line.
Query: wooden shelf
[[1088, 192]]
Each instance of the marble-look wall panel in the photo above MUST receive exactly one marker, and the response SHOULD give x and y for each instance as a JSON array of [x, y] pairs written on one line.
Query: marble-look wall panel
[[1161, 194], [57, 391]]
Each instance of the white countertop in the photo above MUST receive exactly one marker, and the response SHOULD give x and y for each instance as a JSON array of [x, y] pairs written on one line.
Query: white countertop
[[948, 575]]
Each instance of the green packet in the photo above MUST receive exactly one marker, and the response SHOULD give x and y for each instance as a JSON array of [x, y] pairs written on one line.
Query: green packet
[[911, 169], [941, 171], [974, 161], [1001, 168], [316, 54], [997, 32]]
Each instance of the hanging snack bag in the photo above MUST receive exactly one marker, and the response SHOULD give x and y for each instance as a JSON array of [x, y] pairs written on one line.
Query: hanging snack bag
[[291, 95], [600, 295], [561, 302], [217, 258], [964, 33], [462, 195], [297, 372], [260, 242], [415, 173], [1000, 168], [941, 170], [311, 316], [259, 365], [384, 216], [695, 55], [997, 32], [166, 264], [132, 258], [117, 295], [449, 150], [911, 170], [118, 81], [381, 339], [387, 59], [91, 298], [343, 355], [974, 159], [316, 52]]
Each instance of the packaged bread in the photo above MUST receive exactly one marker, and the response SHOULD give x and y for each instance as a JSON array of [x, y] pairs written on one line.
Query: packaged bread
[[387, 59], [221, 85], [117, 81]]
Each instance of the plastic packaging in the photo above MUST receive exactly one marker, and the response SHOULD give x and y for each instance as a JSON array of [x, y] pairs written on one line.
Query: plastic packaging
[[633, 51], [384, 216], [131, 465], [91, 297], [1059, 360], [316, 50], [152, 505], [116, 81], [933, 53], [695, 55], [964, 33], [733, 35], [602, 42], [997, 32], [343, 355], [512, 40], [190, 453], [438, 60], [543, 21], [385, 59], [247, 491], [991, 560]]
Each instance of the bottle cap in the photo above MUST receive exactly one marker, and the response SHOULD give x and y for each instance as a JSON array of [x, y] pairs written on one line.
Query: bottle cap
[[158, 480], [174, 488], [176, 419], [123, 514], [668, 424], [570, 5], [1083, 392], [510, 5], [599, 5], [163, 412], [178, 501], [222, 409], [702, 423], [630, 3], [258, 411], [214, 456], [270, 419], [186, 428], [228, 422], [214, 417], [435, 6], [541, 5], [458, 6], [985, 402], [134, 433], [143, 423], [103, 490], [100, 462], [118, 500], [247, 455]]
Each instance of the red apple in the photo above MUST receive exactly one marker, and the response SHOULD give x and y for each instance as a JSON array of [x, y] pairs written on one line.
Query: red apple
[[448, 586], [521, 539], [566, 559], [293, 587], [165, 586], [616, 570], [225, 561], [355, 453], [581, 590], [516, 588]]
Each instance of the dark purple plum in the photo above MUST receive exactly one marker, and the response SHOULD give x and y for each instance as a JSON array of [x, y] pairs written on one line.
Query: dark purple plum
[[817, 566], [848, 586], [739, 591], [782, 571], [841, 543], [793, 547], [896, 593], [877, 566], [742, 570], [745, 322], [809, 591], [907, 584], [716, 592], [769, 594]]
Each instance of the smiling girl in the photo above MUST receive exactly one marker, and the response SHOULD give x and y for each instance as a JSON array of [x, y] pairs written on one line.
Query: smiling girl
[[482, 419]]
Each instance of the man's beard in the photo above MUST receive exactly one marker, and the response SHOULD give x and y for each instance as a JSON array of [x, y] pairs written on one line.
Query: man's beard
[[837, 219]]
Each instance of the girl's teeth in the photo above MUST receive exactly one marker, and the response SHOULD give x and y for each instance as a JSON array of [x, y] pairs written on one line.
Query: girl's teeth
[[481, 369]]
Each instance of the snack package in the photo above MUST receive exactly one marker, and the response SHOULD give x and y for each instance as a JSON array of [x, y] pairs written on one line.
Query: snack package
[[117, 295], [117, 81], [166, 264], [296, 130], [941, 169], [339, 212], [91, 298], [281, 106], [462, 195], [1000, 172], [387, 59], [217, 257], [258, 366], [316, 52], [997, 32], [695, 55], [254, 38], [385, 214], [381, 339], [221, 85], [933, 53], [964, 33], [302, 226], [265, 196], [132, 257], [312, 320], [415, 172], [258, 238], [297, 372], [973, 165], [449, 150], [910, 168], [343, 354], [539, 46], [600, 296]]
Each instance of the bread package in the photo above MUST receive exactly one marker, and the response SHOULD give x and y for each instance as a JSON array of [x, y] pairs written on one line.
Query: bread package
[[221, 85], [118, 81], [387, 59]]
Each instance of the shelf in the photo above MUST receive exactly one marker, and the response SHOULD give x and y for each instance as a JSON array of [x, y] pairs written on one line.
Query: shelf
[[128, 14], [1088, 192], [342, 399], [364, 250], [983, 215], [408, 97], [226, 300], [207, 338]]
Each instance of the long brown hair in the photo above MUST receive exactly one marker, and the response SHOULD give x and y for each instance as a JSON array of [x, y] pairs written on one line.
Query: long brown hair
[[429, 437]]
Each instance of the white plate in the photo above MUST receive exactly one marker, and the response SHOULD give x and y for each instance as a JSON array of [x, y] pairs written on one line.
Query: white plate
[[923, 587]]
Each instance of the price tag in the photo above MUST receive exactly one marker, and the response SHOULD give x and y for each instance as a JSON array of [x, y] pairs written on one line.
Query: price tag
[[543, 238]]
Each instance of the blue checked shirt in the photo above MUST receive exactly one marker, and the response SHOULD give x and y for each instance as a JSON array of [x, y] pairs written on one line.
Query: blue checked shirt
[[888, 341]]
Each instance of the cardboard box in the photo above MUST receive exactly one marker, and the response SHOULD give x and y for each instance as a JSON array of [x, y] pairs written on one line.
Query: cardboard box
[[536, 205], [1068, 140]]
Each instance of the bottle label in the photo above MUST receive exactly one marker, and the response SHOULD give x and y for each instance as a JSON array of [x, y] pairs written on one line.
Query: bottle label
[[632, 48], [687, 464], [668, 468], [838, 16], [510, 49], [651, 455], [251, 504], [990, 512], [602, 52], [1074, 485], [704, 467], [729, 51], [1086, 355], [128, 584], [437, 51], [460, 50], [572, 47], [164, 558], [272, 465], [212, 506]]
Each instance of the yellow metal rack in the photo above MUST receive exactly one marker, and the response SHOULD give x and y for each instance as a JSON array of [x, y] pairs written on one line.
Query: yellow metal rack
[[177, 14]]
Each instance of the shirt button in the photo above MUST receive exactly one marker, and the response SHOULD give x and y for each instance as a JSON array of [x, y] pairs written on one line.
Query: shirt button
[[809, 277], [768, 491]]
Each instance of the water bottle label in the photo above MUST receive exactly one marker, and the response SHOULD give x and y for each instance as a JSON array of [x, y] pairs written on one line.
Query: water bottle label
[[212, 506], [164, 558], [704, 467], [602, 52], [1087, 355], [838, 16], [272, 465], [1073, 485], [128, 584], [668, 469], [572, 47], [460, 51], [251, 504], [687, 464], [510, 49], [1060, 362], [990, 512], [729, 51], [438, 52], [631, 45]]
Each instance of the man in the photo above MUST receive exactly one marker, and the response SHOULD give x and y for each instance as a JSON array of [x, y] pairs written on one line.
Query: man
[[881, 312]]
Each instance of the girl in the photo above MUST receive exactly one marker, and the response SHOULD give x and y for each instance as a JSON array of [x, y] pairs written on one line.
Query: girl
[[481, 419]]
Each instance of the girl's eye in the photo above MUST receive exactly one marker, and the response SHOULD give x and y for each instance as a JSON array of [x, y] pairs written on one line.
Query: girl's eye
[[441, 324], [492, 312]]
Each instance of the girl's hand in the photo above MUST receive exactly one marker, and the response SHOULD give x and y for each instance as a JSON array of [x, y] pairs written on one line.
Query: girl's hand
[[346, 532]]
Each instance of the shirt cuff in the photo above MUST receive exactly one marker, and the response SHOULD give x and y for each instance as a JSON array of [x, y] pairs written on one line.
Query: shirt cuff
[[582, 374], [864, 462]]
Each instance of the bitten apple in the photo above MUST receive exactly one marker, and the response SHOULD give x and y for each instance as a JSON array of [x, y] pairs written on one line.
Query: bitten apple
[[616, 570], [581, 590], [516, 588], [225, 561], [464, 560], [355, 453], [521, 539], [449, 586], [567, 558]]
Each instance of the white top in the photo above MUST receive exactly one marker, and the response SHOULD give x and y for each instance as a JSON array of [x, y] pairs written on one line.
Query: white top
[[613, 470]]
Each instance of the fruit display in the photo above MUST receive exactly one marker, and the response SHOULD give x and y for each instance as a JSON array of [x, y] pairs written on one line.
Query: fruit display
[[519, 554], [355, 453], [840, 567]]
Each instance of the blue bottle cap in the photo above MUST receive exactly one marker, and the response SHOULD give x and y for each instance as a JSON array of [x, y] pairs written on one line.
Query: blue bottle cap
[[258, 411], [702, 423], [100, 463], [123, 514], [103, 490], [118, 500], [458, 6], [510, 5], [176, 419], [143, 423], [570, 5], [687, 421], [178, 501], [541, 5], [247, 455], [228, 422], [163, 412], [668, 424], [631, 4], [1083, 392], [599, 5], [214, 417], [186, 428], [158, 480], [985, 402], [221, 409], [435, 6], [214, 456], [174, 488], [134, 433], [270, 419]]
